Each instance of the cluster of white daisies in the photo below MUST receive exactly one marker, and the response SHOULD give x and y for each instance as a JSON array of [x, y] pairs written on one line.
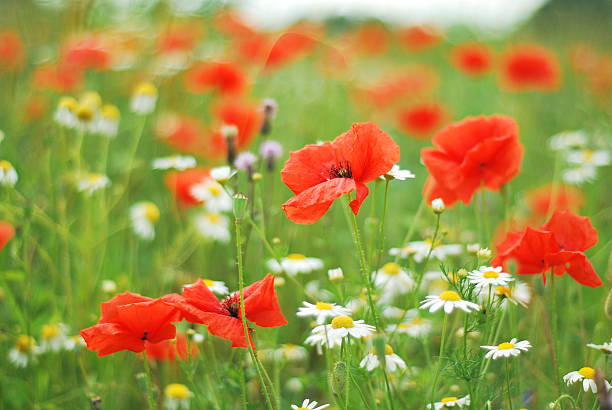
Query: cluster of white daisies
[[581, 160]]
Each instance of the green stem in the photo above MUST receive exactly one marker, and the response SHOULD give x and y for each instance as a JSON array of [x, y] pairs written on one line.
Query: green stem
[[439, 367], [557, 402], [554, 331], [148, 383], [508, 384], [381, 229]]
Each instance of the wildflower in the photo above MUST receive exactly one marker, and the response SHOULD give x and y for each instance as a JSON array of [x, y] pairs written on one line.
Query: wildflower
[[92, 182], [484, 253], [322, 310], [295, 263], [528, 67], [437, 205], [420, 38], [449, 300], [335, 274], [470, 154], [605, 348], [180, 162], [588, 157], [171, 350], [448, 402], [74, 343], [24, 350], [518, 295], [397, 173], [65, 113], [222, 174], [309, 405], [8, 175], [558, 244], [472, 58], [216, 286], [547, 198], [414, 326], [245, 117], [53, 337], [223, 78], [177, 397], [393, 280], [318, 174], [213, 225], [212, 194], [568, 140], [107, 123], [245, 161], [109, 286], [7, 231], [128, 321], [198, 304], [270, 151], [420, 249], [580, 174], [587, 376], [506, 349], [144, 98], [291, 353], [144, 216], [181, 182], [392, 361], [11, 50], [489, 276], [422, 119], [343, 326]]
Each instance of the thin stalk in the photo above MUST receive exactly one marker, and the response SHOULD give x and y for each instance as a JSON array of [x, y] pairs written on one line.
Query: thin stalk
[[381, 228], [439, 367], [149, 384], [554, 330], [508, 384]]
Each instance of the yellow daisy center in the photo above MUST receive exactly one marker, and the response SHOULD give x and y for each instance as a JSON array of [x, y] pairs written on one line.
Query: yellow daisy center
[[587, 155], [505, 346], [587, 372], [5, 165], [432, 243], [24, 343], [209, 282], [214, 218], [388, 350], [448, 399], [404, 326], [324, 306], [84, 112], [392, 268], [342, 321], [94, 179], [296, 256], [68, 103], [110, 112], [450, 296], [177, 391], [503, 291], [151, 212], [146, 89], [50, 331], [490, 274], [418, 321]]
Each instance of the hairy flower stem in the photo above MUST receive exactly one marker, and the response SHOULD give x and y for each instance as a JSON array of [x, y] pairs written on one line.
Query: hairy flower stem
[[439, 367], [557, 402], [508, 384], [238, 225], [554, 331], [381, 228], [152, 403]]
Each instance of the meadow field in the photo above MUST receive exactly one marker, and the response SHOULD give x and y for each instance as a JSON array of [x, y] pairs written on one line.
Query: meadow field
[[398, 216]]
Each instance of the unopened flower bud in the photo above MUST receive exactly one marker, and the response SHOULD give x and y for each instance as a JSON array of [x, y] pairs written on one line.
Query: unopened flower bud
[[484, 253], [256, 176], [335, 274], [437, 205], [239, 202]]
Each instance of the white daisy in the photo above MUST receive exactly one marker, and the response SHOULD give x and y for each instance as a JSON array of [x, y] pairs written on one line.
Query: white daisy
[[74, 343], [587, 376], [414, 327], [448, 402], [335, 274], [449, 300], [177, 397], [519, 294], [291, 353], [489, 276], [295, 263], [420, 249], [435, 281], [605, 348], [507, 349], [24, 350], [222, 174], [309, 405], [393, 280], [579, 175], [144, 216], [65, 112], [392, 361], [396, 173], [587, 156], [144, 99], [215, 198], [213, 226], [53, 337], [216, 286], [107, 122], [92, 182], [343, 326], [568, 139], [8, 175], [179, 162], [318, 339], [108, 286], [321, 311]]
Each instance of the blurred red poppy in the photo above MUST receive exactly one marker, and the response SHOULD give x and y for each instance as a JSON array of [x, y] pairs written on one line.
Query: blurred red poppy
[[472, 58], [223, 78], [247, 117], [198, 304], [11, 50], [473, 153], [288, 48], [558, 245], [559, 197], [319, 174], [171, 350], [183, 133], [370, 39], [89, 51], [179, 39], [181, 182], [530, 67], [57, 77], [7, 231], [421, 120], [419, 38], [128, 322]]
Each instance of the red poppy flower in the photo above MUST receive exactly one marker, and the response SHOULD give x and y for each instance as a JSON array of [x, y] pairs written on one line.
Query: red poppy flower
[[472, 58], [7, 231], [57, 77], [422, 120], [128, 322], [247, 117], [229, 23], [179, 39], [171, 350], [199, 305], [473, 153], [181, 182], [419, 38], [224, 78], [370, 39], [558, 245], [36, 107], [318, 174], [541, 199], [288, 48], [88, 52], [11, 50], [530, 68], [183, 133]]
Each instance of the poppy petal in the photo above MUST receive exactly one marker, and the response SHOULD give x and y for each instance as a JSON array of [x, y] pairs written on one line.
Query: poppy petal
[[572, 232], [308, 167], [310, 205], [109, 308], [361, 193], [577, 266], [261, 304]]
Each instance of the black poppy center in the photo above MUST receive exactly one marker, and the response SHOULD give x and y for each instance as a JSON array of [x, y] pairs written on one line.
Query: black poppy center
[[232, 305], [341, 170], [145, 336]]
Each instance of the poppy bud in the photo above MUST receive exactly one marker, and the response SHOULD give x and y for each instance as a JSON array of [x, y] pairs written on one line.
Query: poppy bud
[[239, 202]]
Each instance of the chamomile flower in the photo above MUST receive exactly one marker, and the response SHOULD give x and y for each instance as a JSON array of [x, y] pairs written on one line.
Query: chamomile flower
[[414, 326], [309, 405], [335, 274], [65, 112], [8, 175], [506, 349], [437, 205], [291, 353], [92, 182], [216, 286], [435, 281], [344, 326], [74, 343], [24, 350], [295, 263], [587, 156], [420, 249], [322, 310], [587, 376], [178, 162], [567, 140], [393, 280], [144, 216], [107, 122], [222, 174], [449, 300], [53, 337], [215, 198], [177, 397], [396, 173], [448, 402], [144, 99], [318, 339], [519, 294], [213, 226], [108, 286], [489, 276], [392, 361], [579, 175], [604, 348]]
